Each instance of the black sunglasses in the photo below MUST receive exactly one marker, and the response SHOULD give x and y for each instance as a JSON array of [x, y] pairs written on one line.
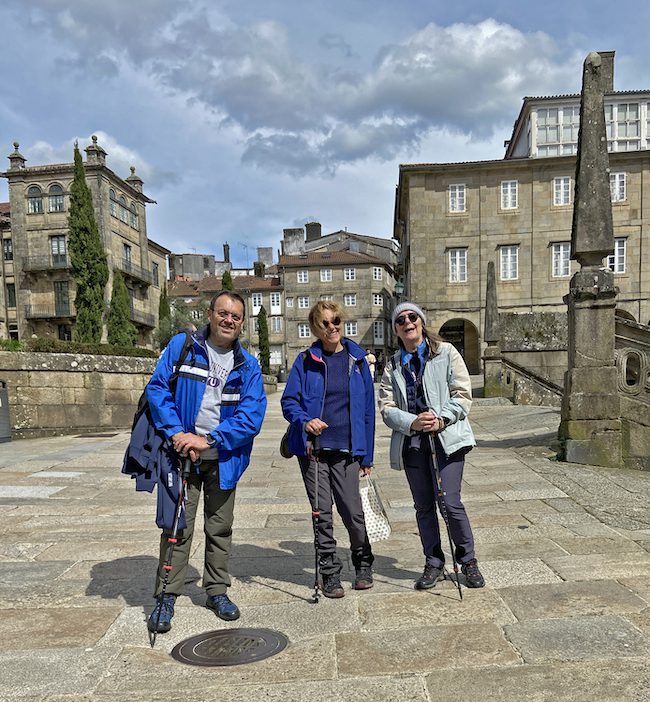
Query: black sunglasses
[[411, 316], [336, 322]]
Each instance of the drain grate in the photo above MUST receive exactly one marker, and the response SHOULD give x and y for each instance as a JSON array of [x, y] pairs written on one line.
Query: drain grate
[[230, 647]]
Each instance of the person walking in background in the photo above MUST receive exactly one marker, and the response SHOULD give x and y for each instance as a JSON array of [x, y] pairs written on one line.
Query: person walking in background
[[426, 391], [214, 415], [330, 395], [371, 358]]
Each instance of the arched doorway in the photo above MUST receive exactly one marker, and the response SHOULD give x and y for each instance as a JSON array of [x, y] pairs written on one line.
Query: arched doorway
[[624, 314], [464, 336]]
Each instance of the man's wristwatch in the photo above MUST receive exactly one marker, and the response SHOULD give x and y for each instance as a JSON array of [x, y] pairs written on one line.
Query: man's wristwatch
[[210, 439]]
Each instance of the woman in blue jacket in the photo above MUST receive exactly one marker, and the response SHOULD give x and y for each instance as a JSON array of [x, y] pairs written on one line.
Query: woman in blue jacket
[[330, 395]]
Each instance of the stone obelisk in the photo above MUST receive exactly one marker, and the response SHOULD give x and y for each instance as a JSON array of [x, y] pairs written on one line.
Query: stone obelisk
[[590, 430], [492, 356]]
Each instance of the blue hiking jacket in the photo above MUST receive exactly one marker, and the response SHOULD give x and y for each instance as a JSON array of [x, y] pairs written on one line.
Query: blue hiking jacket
[[243, 402], [304, 397]]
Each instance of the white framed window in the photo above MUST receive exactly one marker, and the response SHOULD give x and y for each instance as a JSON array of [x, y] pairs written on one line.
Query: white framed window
[[377, 273], [327, 298], [55, 198], [350, 299], [289, 302], [276, 325], [276, 302], [377, 299], [275, 358], [561, 259], [303, 331], [457, 265], [34, 200], [557, 130], [623, 126], [378, 331], [509, 192], [256, 303], [303, 302], [616, 260], [562, 191], [325, 275], [302, 276], [350, 274], [617, 187], [457, 197], [196, 314], [509, 262], [351, 329]]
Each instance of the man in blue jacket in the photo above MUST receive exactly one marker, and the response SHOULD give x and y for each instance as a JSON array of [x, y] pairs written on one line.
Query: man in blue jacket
[[216, 411]]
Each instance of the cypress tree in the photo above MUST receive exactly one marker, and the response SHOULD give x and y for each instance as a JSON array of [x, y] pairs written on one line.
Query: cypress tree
[[121, 330], [163, 306], [226, 281], [263, 334], [87, 258]]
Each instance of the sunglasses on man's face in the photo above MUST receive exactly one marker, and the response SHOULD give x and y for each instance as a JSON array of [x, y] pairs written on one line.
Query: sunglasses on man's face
[[336, 322], [402, 319]]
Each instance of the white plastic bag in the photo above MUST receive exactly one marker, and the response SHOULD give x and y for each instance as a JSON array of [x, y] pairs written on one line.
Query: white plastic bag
[[377, 524]]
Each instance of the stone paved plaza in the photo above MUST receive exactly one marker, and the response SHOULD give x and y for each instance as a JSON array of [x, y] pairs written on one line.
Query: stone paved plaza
[[565, 550]]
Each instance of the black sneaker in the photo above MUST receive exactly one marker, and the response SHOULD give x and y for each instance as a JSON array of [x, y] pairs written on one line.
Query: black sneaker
[[473, 577], [332, 586], [429, 577], [363, 579], [160, 620]]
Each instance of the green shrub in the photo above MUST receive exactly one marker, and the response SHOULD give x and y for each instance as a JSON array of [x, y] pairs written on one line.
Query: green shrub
[[11, 345], [49, 345]]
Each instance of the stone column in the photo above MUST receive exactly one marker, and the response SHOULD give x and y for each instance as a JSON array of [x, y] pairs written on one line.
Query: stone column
[[590, 430], [492, 370]]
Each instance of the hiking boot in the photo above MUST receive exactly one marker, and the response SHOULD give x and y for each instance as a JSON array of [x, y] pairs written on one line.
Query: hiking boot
[[223, 607], [162, 623], [473, 577], [429, 577], [363, 578], [332, 585]]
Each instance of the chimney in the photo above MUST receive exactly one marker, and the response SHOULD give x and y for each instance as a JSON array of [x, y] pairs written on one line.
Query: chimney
[[313, 231], [226, 252], [95, 154], [607, 70], [293, 242]]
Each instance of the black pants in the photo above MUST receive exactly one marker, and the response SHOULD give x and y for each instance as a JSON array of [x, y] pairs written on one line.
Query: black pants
[[338, 482]]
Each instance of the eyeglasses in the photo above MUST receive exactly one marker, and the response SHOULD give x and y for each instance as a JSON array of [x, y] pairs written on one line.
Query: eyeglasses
[[411, 316], [223, 314], [336, 322]]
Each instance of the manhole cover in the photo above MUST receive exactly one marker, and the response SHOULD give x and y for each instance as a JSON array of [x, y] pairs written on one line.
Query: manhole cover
[[230, 647]]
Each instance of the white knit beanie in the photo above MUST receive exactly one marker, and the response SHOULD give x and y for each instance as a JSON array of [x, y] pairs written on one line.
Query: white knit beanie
[[408, 307]]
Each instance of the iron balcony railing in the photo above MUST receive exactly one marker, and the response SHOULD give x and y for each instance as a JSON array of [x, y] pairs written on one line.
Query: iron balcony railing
[[45, 263], [134, 271], [52, 311]]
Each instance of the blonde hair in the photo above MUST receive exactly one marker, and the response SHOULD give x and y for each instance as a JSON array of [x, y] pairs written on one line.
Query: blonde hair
[[316, 314]]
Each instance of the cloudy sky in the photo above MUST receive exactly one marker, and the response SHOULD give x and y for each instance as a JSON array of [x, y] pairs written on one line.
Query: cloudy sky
[[244, 117]]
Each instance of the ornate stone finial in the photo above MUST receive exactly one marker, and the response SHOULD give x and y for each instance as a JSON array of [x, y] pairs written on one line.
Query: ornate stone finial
[[94, 138], [16, 145], [132, 170]]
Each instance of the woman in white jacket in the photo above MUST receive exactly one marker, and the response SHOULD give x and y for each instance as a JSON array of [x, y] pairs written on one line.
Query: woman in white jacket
[[426, 391]]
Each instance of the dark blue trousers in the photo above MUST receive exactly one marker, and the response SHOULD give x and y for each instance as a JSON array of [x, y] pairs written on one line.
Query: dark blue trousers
[[421, 478]]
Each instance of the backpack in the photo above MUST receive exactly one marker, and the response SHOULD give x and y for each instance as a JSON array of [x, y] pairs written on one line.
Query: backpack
[[143, 402]]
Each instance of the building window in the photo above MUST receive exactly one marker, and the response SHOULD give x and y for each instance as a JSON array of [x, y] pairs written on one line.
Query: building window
[[155, 274], [562, 191], [457, 265], [302, 276], [623, 126], [377, 273], [65, 332], [378, 331], [276, 325], [289, 302], [548, 130], [34, 200], [58, 250], [124, 213], [55, 198], [133, 216], [303, 302], [457, 198], [8, 249], [196, 315], [509, 260], [327, 298], [560, 259], [256, 302], [11, 295], [303, 331], [325, 275], [126, 253], [350, 329], [509, 194], [350, 299], [275, 303], [112, 203], [557, 130], [616, 261], [354, 246], [617, 187], [13, 331], [377, 299], [350, 274]]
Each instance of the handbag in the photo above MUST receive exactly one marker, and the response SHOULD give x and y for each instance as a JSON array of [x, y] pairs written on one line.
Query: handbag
[[284, 446], [377, 524]]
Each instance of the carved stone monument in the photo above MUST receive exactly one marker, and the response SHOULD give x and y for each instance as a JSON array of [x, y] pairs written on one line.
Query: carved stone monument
[[590, 430], [492, 369]]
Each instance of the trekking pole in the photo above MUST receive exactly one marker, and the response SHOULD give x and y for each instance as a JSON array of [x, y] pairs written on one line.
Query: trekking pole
[[315, 511], [440, 494], [172, 540]]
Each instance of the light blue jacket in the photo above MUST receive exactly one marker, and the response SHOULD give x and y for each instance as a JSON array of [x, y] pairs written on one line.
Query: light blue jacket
[[448, 394]]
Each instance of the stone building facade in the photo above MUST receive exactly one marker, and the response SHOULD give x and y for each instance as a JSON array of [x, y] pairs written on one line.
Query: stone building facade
[[39, 289], [451, 219]]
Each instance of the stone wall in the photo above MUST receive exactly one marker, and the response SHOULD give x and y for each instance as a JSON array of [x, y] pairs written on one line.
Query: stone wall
[[61, 393]]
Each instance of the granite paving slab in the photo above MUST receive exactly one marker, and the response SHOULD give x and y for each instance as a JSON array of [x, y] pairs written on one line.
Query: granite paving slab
[[585, 545], [28, 491], [25, 574], [519, 571], [603, 566]]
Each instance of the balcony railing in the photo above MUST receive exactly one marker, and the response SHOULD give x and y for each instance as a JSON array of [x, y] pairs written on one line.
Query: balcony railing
[[45, 263], [142, 318], [134, 271], [53, 311]]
